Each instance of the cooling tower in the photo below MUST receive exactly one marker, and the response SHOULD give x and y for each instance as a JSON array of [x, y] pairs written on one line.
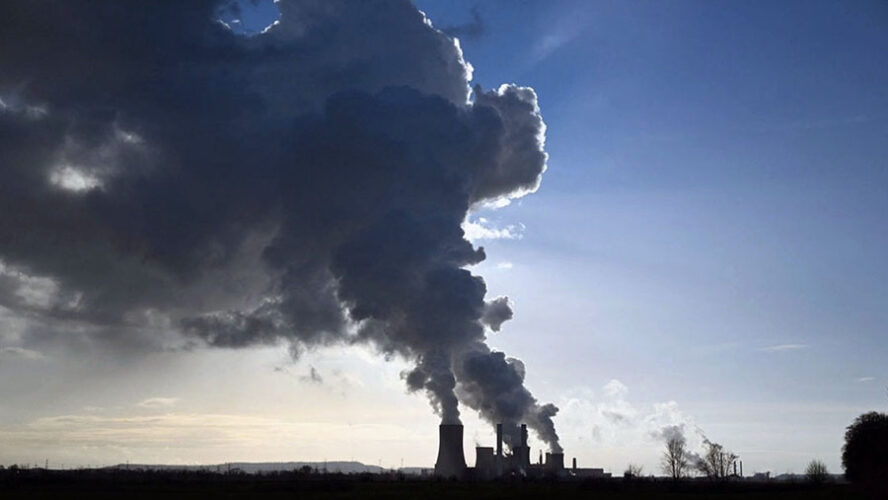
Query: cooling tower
[[485, 465], [555, 461], [451, 460]]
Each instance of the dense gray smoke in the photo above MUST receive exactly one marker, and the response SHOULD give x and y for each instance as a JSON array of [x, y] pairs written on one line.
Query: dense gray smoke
[[305, 185], [497, 312]]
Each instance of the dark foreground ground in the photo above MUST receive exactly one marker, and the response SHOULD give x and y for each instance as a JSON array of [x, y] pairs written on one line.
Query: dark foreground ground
[[133, 485]]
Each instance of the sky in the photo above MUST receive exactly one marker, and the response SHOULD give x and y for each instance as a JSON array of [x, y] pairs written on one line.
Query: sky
[[704, 250]]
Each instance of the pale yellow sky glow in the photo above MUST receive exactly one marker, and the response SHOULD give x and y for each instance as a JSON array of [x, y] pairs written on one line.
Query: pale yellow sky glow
[[201, 438], [215, 406]]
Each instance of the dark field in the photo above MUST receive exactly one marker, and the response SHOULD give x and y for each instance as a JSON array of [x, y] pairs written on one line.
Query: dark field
[[132, 485]]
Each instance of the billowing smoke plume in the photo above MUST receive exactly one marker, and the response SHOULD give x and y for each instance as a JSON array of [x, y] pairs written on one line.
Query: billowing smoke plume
[[304, 185], [497, 312]]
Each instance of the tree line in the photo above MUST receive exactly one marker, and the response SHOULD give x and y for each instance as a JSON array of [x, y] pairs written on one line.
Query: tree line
[[864, 457]]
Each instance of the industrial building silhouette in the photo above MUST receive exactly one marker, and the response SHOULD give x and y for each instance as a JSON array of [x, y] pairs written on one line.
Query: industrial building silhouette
[[451, 462]]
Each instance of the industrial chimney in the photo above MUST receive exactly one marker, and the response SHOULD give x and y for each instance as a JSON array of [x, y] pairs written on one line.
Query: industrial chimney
[[499, 449], [521, 453], [451, 459], [555, 461]]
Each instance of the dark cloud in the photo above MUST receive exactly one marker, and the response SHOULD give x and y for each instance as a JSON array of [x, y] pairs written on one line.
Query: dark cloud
[[493, 385], [434, 373], [497, 312], [306, 185]]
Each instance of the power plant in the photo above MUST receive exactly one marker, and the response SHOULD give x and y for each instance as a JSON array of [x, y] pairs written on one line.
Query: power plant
[[490, 464], [451, 459]]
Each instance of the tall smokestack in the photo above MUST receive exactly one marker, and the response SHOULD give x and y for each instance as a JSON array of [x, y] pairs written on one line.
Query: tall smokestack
[[522, 453], [451, 459], [575, 463], [499, 449]]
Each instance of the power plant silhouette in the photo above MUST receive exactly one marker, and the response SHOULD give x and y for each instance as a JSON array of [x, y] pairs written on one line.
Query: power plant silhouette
[[451, 462]]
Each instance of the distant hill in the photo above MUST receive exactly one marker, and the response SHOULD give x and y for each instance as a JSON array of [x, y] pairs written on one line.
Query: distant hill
[[346, 467]]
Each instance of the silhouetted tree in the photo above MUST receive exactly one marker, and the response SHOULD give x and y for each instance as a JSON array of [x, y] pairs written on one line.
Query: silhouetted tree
[[633, 470], [816, 472], [675, 461], [717, 463], [865, 453]]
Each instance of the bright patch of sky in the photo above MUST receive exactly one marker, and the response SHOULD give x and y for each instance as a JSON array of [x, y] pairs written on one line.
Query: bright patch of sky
[[249, 17]]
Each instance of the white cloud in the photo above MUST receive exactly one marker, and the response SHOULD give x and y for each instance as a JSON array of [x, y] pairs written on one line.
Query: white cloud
[[783, 347], [615, 389], [496, 203], [548, 44], [158, 402], [504, 265], [613, 422], [80, 169], [865, 379], [561, 32], [73, 179], [483, 229]]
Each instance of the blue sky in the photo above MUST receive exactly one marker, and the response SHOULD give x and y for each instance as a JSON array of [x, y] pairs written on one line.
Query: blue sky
[[711, 228]]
